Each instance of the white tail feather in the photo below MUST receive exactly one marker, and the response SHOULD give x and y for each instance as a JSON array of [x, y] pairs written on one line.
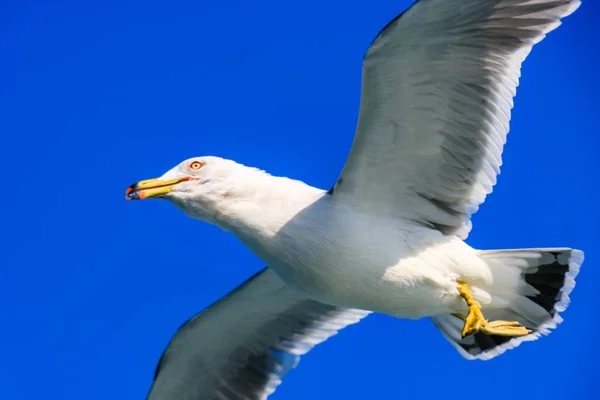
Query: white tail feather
[[546, 277]]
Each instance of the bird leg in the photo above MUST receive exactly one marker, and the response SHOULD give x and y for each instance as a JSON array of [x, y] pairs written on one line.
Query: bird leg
[[475, 322]]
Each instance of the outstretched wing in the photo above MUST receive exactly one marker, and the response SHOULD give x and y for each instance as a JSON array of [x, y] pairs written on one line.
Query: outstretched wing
[[241, 347], [437, 92]]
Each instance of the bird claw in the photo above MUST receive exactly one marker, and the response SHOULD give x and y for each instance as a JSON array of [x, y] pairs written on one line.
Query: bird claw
[[475, 321]]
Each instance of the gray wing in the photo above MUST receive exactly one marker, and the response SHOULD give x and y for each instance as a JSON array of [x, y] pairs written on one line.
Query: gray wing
[[437, 92], [242, 346]]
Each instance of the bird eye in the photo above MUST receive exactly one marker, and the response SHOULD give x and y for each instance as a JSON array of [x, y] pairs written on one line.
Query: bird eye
[[196, 165]]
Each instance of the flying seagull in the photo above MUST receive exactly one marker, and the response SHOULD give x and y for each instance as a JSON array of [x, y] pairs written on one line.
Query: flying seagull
[[437, 92]]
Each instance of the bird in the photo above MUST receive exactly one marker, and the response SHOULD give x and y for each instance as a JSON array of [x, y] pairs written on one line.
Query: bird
[[438, 84]]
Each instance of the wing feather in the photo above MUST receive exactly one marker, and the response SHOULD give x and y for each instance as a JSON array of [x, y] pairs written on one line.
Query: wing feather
[[437, 94], [241, 347]]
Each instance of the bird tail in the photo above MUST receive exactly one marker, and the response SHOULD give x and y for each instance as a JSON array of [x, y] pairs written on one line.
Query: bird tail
[[532, 286]]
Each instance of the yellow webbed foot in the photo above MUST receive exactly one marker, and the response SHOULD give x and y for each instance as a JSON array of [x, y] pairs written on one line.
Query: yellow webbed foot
[[475, 321], [505, 328]]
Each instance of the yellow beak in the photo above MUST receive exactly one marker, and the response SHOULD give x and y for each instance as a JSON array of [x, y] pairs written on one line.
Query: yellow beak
[[152, 188]]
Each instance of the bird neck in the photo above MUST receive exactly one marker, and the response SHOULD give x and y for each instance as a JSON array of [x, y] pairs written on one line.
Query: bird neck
[[262, 204]]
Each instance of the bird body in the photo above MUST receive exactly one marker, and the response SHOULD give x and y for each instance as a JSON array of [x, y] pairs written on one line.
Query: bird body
[[343, 257]]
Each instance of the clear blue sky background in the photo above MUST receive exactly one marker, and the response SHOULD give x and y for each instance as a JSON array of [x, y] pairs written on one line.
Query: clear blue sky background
[[96, 96]]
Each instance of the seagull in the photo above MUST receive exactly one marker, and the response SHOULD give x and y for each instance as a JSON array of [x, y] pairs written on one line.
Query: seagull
[[389, 237]]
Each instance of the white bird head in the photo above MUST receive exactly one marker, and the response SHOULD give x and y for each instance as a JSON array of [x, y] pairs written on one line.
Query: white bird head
[[199, 185]]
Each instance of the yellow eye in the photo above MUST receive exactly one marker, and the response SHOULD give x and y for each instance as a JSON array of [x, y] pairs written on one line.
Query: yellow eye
[[196, 165]]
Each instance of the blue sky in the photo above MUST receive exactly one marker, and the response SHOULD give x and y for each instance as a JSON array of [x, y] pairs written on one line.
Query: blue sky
[[96, 96]]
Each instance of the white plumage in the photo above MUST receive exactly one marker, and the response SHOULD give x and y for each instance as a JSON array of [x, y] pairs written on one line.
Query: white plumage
[[438, 87]]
